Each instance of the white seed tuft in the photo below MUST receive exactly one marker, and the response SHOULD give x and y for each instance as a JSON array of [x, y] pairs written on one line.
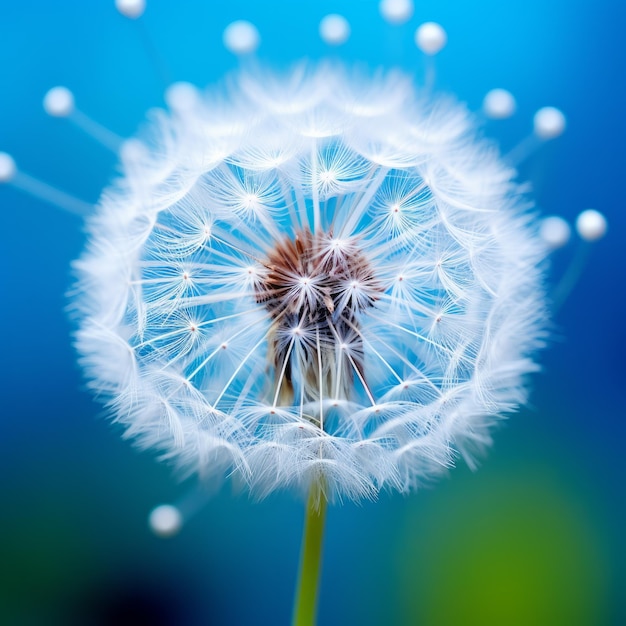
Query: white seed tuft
[[131, 8], [165, 520], [430, 38], [591, 225], [8, 169], [396, 11], [334, 29], [181, 96], [241, 37], [59, 102], [549, 123], [555, 232], [499, 104]]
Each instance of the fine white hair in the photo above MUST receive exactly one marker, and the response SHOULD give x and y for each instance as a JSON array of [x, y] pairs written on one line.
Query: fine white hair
[[430, 290]]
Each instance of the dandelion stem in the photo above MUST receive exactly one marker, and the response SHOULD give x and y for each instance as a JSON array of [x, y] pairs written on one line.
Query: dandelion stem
[[310, 559]]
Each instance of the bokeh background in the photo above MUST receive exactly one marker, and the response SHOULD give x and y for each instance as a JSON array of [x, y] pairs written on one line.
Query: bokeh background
[[534, 537]]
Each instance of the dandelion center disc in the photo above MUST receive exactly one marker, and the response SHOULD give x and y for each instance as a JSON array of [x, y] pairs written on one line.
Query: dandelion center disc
[[321, 275], [315, 288]]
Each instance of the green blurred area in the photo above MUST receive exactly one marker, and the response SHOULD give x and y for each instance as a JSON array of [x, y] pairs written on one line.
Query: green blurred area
[[516, 550], [43, 563]]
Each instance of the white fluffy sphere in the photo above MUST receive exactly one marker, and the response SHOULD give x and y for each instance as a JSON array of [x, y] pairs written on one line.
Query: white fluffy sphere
[[591, 225], [334, 29], [555, 231], [8, 168], [59, 102], [549, 123], [396, 11], [131, 8], [241, 37], [181, 96], [430, 38], [331, 280], [499, 104], [165, 520]]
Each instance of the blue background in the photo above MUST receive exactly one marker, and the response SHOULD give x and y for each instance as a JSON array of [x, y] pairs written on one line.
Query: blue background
[[535, 537]]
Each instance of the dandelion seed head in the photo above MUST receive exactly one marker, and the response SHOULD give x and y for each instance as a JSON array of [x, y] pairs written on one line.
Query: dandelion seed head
[[311, 283]]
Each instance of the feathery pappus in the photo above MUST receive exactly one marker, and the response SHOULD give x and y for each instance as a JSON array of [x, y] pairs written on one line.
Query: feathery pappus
[[317, 276]]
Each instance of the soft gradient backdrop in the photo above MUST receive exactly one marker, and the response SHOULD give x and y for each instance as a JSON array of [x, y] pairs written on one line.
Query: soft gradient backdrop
[[535, 537]]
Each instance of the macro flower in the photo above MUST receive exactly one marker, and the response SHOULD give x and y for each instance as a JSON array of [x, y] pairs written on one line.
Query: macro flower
[[322, 277]]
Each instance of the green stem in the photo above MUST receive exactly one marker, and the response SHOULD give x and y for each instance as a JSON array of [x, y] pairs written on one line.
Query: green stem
[[310, 559]]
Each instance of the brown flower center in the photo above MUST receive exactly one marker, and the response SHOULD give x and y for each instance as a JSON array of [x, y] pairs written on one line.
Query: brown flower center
[[316, 288]]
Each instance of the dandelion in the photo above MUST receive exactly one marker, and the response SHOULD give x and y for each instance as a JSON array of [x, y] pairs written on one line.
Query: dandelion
[[323, 281], [300, 292]]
